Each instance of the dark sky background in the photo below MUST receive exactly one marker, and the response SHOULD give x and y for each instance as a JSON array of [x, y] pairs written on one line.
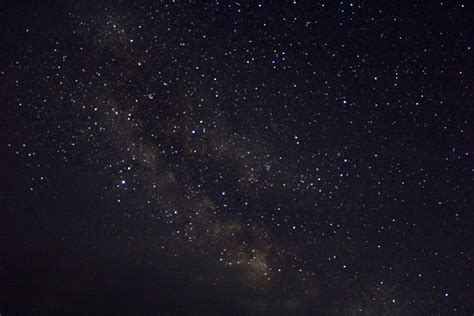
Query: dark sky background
[[247, 158]]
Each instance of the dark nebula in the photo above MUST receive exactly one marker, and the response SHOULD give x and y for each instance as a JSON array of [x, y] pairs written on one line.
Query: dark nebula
[[236, 158]]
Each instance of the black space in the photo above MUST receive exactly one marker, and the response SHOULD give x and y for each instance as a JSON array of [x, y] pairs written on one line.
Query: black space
[[236, 158]]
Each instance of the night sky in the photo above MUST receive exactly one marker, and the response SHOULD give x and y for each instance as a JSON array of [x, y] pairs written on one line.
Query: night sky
[[238, 158]]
